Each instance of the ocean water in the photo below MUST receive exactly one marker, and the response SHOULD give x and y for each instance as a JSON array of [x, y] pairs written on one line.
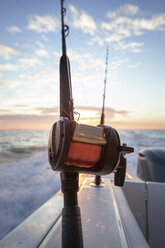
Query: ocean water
[[20, 144], [26, 179]]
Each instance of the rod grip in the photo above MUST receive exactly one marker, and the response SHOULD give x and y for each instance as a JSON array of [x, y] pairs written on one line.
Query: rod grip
[[71, 227]]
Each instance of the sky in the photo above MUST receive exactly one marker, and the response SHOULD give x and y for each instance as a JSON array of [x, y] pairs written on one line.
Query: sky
[[30, 49]]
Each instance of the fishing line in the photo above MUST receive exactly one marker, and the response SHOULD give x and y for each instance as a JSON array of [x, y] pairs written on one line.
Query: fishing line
[[79, 74]]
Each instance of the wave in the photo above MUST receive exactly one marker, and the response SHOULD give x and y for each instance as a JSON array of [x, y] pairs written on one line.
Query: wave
[[25, 186], [28, 150], [144, 138]]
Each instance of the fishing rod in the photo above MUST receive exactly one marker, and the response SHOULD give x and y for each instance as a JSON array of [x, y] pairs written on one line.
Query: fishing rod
[[78, 148], [66, 100], [105, 82], [98, 177], [71, 216]]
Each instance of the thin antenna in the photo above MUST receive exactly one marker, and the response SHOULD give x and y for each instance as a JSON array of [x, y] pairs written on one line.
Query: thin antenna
[[105, 81]]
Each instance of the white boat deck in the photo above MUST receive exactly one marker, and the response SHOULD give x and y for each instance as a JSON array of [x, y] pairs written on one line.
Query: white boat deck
[[106, 219]]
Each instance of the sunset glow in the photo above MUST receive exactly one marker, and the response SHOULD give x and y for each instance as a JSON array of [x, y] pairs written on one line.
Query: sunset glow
[[30, 49]]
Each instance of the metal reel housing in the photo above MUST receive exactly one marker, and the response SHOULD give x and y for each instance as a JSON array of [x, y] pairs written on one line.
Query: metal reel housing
[[64, 136]]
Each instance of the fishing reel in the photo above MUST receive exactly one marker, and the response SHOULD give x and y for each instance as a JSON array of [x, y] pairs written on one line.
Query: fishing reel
[[85, 149]]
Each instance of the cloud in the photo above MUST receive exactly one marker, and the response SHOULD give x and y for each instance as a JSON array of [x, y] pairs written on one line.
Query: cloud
[[10, 84], [137, 65], [42, 79], [96, 39], [43, 24], [157, 22], [108, 111], [117, 27], [40, 44], [18, 111], [48, 110], [81, 20], [128, 9], [123, 26], [77, 57], [28, 121], [122, 23], [36, 88], [57, 54], [6, 52], [44, 37], [42, 88], [45, 117], [20, 106], [9, 67], [27, 63], [86, 60], [41, 53], [14, 29], [134, 47], [116, 63], [113, 38], [4, 111]]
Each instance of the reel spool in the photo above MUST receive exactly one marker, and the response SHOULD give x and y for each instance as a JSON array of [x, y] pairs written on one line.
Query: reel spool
[[82, 148]]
